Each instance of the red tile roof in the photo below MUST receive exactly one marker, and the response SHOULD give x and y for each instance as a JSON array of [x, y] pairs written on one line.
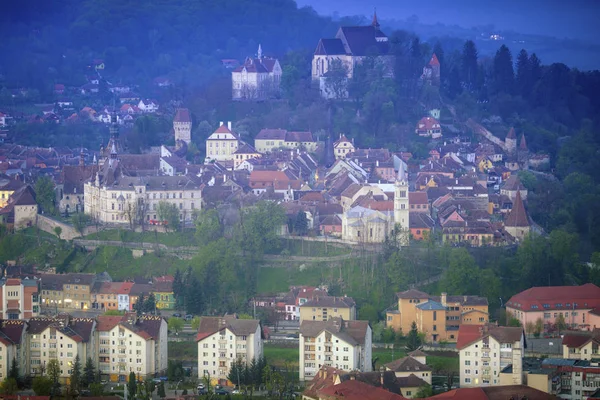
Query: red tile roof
[[105, 323], [428, 123], [434, 60], [585, 297], [182, 115], [417, 198], [468, 334], [356, 390], [511, 134]]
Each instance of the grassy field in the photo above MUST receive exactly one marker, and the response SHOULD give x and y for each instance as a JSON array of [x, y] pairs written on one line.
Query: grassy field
[[172, 239], [300, 247]]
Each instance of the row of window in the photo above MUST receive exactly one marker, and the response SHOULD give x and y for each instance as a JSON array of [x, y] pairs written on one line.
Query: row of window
[[232, 144]]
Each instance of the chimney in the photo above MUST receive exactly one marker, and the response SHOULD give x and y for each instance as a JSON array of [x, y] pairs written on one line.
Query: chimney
[[229, 125], [444, 294], [377, 163], [465, 298], [220, 123]]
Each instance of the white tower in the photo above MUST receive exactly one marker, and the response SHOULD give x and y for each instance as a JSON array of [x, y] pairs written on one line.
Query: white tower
[[401, 208], [259, 53]]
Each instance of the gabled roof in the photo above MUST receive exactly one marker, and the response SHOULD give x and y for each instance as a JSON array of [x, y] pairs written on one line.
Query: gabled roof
[[434, 60], [362, 40], [407, 364], [356, 390], [412, 294], [469, 334], [330, 301], [330, 47], [430, 305], [557, 298], [211, 325], [352, 332]]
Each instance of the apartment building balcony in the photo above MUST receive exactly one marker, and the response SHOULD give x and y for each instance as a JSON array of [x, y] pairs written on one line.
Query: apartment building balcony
[[485, 356], [52, 354], [34, 354]]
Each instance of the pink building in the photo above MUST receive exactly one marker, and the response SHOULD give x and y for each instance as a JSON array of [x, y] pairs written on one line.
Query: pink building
[[579, 305]]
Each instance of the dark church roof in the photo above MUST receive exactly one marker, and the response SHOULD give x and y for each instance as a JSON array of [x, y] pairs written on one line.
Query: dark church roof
[[330, 47], [361, 40]]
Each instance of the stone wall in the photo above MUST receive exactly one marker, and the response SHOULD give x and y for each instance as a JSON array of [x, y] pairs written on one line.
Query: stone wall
[[47, 224]]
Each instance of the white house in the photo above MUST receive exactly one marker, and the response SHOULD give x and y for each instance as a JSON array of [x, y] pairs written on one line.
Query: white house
[[257, 78], [335, 343], [148, 106], [485, 350], [222, 341]]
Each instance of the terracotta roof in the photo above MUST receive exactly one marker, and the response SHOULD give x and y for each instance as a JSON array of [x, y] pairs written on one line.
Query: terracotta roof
[[356, 390], [512, 392], [523, 144], [271, 134], [182, 115], [428, 123], [325, 377], [407, 364], [342, 139], [107, 322], [417, 353], [577, 340], [246, 149], [390, 382], [299, 137], [468, 334], [549, 297], [517, 216], [12, 331], [417, 198], [511, 134], [513, 183], [420, 220], [434, 60]]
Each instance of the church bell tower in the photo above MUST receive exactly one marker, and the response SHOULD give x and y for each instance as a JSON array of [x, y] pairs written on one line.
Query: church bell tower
[[401, 208]]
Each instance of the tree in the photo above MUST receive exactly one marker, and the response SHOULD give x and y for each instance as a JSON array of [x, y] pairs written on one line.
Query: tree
[[529, 327], [413, 340], [58, 231], [424, 392], [560, 323], [140, 305], [175, 324], [168, 213], [208, 226], [161, 390], [89, 373], [42, 386], [461, 276], [75, 381], [44, 194], [132, 385], [539, 327], [504, 75], [9, 386], [260, 227], [14, 369], [469, 64], [150, 304], [80, 221], [336, 81], [523, 78], [195, 323], [174, 370], [53, 370], [369, 313], [301, 224], [511, 320]]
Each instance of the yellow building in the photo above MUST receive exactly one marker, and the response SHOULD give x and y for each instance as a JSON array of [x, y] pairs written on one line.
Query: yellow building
[[7, 188], [269, 139], [325, 307], [222, 144], [342, 147], [245, 152], [484, 164], [437, 316], [67, 290]]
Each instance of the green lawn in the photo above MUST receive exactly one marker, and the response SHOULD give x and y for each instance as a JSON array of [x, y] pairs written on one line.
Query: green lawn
[[282, 356], [120, 263], [172, 239], [279, 279], [299, 247]]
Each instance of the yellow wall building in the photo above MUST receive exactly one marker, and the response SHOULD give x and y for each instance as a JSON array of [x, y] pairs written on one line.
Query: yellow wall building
[[437, 316], [326, 307]]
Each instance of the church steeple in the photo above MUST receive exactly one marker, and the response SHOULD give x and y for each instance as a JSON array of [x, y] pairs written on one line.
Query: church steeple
[[401, 203], [375, 23], [259, 53]]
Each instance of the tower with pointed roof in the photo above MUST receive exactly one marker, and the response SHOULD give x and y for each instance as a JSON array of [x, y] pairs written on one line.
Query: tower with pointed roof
[[517, 222], [401, 207], [375, 22], [510, 143], [182, 126], [523, 153]]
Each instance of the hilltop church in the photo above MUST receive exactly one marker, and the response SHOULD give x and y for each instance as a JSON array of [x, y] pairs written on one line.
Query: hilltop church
[[350, 46]]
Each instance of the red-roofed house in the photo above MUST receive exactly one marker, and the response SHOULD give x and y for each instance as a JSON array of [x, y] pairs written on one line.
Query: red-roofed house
[[356, 390], [581, 346], [418, 202], [485, 350], [431, 72], [574, 303], [343, 146], [429, 127]]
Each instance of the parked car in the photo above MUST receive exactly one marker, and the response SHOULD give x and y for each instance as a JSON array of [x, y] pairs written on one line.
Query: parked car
[[200, 386], [188, 317], [177, 315], [221, 392]]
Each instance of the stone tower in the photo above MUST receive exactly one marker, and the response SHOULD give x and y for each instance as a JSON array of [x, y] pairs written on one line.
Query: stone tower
[[182, 126], [511, 142], [523, 153], [401, 207]]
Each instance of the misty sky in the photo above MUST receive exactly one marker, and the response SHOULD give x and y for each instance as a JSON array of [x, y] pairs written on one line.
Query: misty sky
[[561, 18]]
